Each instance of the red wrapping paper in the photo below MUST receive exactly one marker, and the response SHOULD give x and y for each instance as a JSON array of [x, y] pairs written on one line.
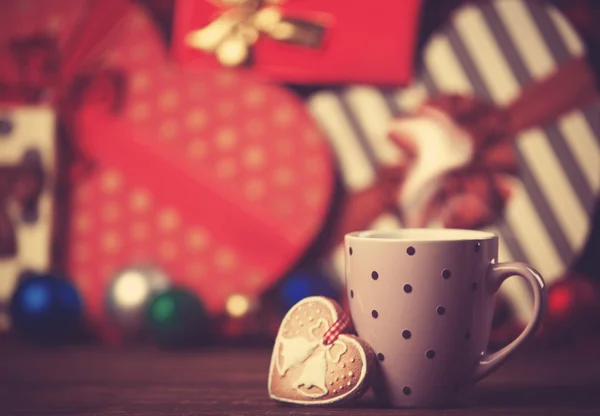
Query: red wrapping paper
[[217, 179], [360, 42]]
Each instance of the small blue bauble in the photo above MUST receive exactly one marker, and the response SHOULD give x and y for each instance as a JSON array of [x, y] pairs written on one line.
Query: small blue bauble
[[302, 284], [46, 308]]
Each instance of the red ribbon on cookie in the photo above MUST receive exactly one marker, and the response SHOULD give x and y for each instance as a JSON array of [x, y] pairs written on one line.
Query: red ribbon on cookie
[[337, 328]]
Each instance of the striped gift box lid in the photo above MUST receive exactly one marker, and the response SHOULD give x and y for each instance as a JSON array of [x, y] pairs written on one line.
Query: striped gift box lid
[[493, 51]]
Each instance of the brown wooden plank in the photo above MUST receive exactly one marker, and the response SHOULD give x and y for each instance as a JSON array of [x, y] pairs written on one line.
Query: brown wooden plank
[[143, 381]]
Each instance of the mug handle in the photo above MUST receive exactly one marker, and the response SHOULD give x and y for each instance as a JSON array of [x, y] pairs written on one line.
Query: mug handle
[[496, 275]]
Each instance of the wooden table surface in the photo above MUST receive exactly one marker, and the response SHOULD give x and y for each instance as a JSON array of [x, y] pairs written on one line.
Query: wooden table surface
[[142, 381]]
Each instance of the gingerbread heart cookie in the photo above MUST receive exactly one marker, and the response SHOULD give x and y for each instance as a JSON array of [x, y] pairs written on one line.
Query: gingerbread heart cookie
[[313, 361]]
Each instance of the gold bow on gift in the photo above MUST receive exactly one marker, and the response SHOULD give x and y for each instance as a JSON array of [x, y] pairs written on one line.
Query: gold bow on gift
[[231, 35]]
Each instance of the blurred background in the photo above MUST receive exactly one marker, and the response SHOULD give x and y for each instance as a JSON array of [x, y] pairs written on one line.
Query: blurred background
[[181, 172]]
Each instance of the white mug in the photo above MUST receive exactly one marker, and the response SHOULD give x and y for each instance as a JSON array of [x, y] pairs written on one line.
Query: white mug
[[424, 300]]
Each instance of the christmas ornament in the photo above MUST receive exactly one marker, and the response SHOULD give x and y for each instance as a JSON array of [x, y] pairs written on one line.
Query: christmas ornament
[[46, 308], [176, 318], [302, 284], [573, 310], [239, 305], [130, 293], [240, 319]]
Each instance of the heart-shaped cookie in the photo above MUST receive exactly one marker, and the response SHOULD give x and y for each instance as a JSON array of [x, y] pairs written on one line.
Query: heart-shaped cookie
[[313, 363]]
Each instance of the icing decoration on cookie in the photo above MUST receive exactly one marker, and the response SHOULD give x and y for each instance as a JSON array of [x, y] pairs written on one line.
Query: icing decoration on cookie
[[296, 351], [314, 362]]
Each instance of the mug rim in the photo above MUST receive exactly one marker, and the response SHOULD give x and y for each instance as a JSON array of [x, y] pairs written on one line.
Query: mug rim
[[422, 234]]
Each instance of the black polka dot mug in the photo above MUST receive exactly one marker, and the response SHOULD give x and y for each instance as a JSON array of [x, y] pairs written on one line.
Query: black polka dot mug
[[423, 299]]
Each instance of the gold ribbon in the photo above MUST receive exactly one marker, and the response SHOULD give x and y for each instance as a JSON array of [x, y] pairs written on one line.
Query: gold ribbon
[[232, 34]]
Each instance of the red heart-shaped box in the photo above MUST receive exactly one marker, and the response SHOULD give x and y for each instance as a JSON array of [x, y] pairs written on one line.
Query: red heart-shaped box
[[221, 180]]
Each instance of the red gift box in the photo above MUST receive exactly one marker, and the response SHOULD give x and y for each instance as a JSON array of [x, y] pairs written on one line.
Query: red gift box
[[300, 41]]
